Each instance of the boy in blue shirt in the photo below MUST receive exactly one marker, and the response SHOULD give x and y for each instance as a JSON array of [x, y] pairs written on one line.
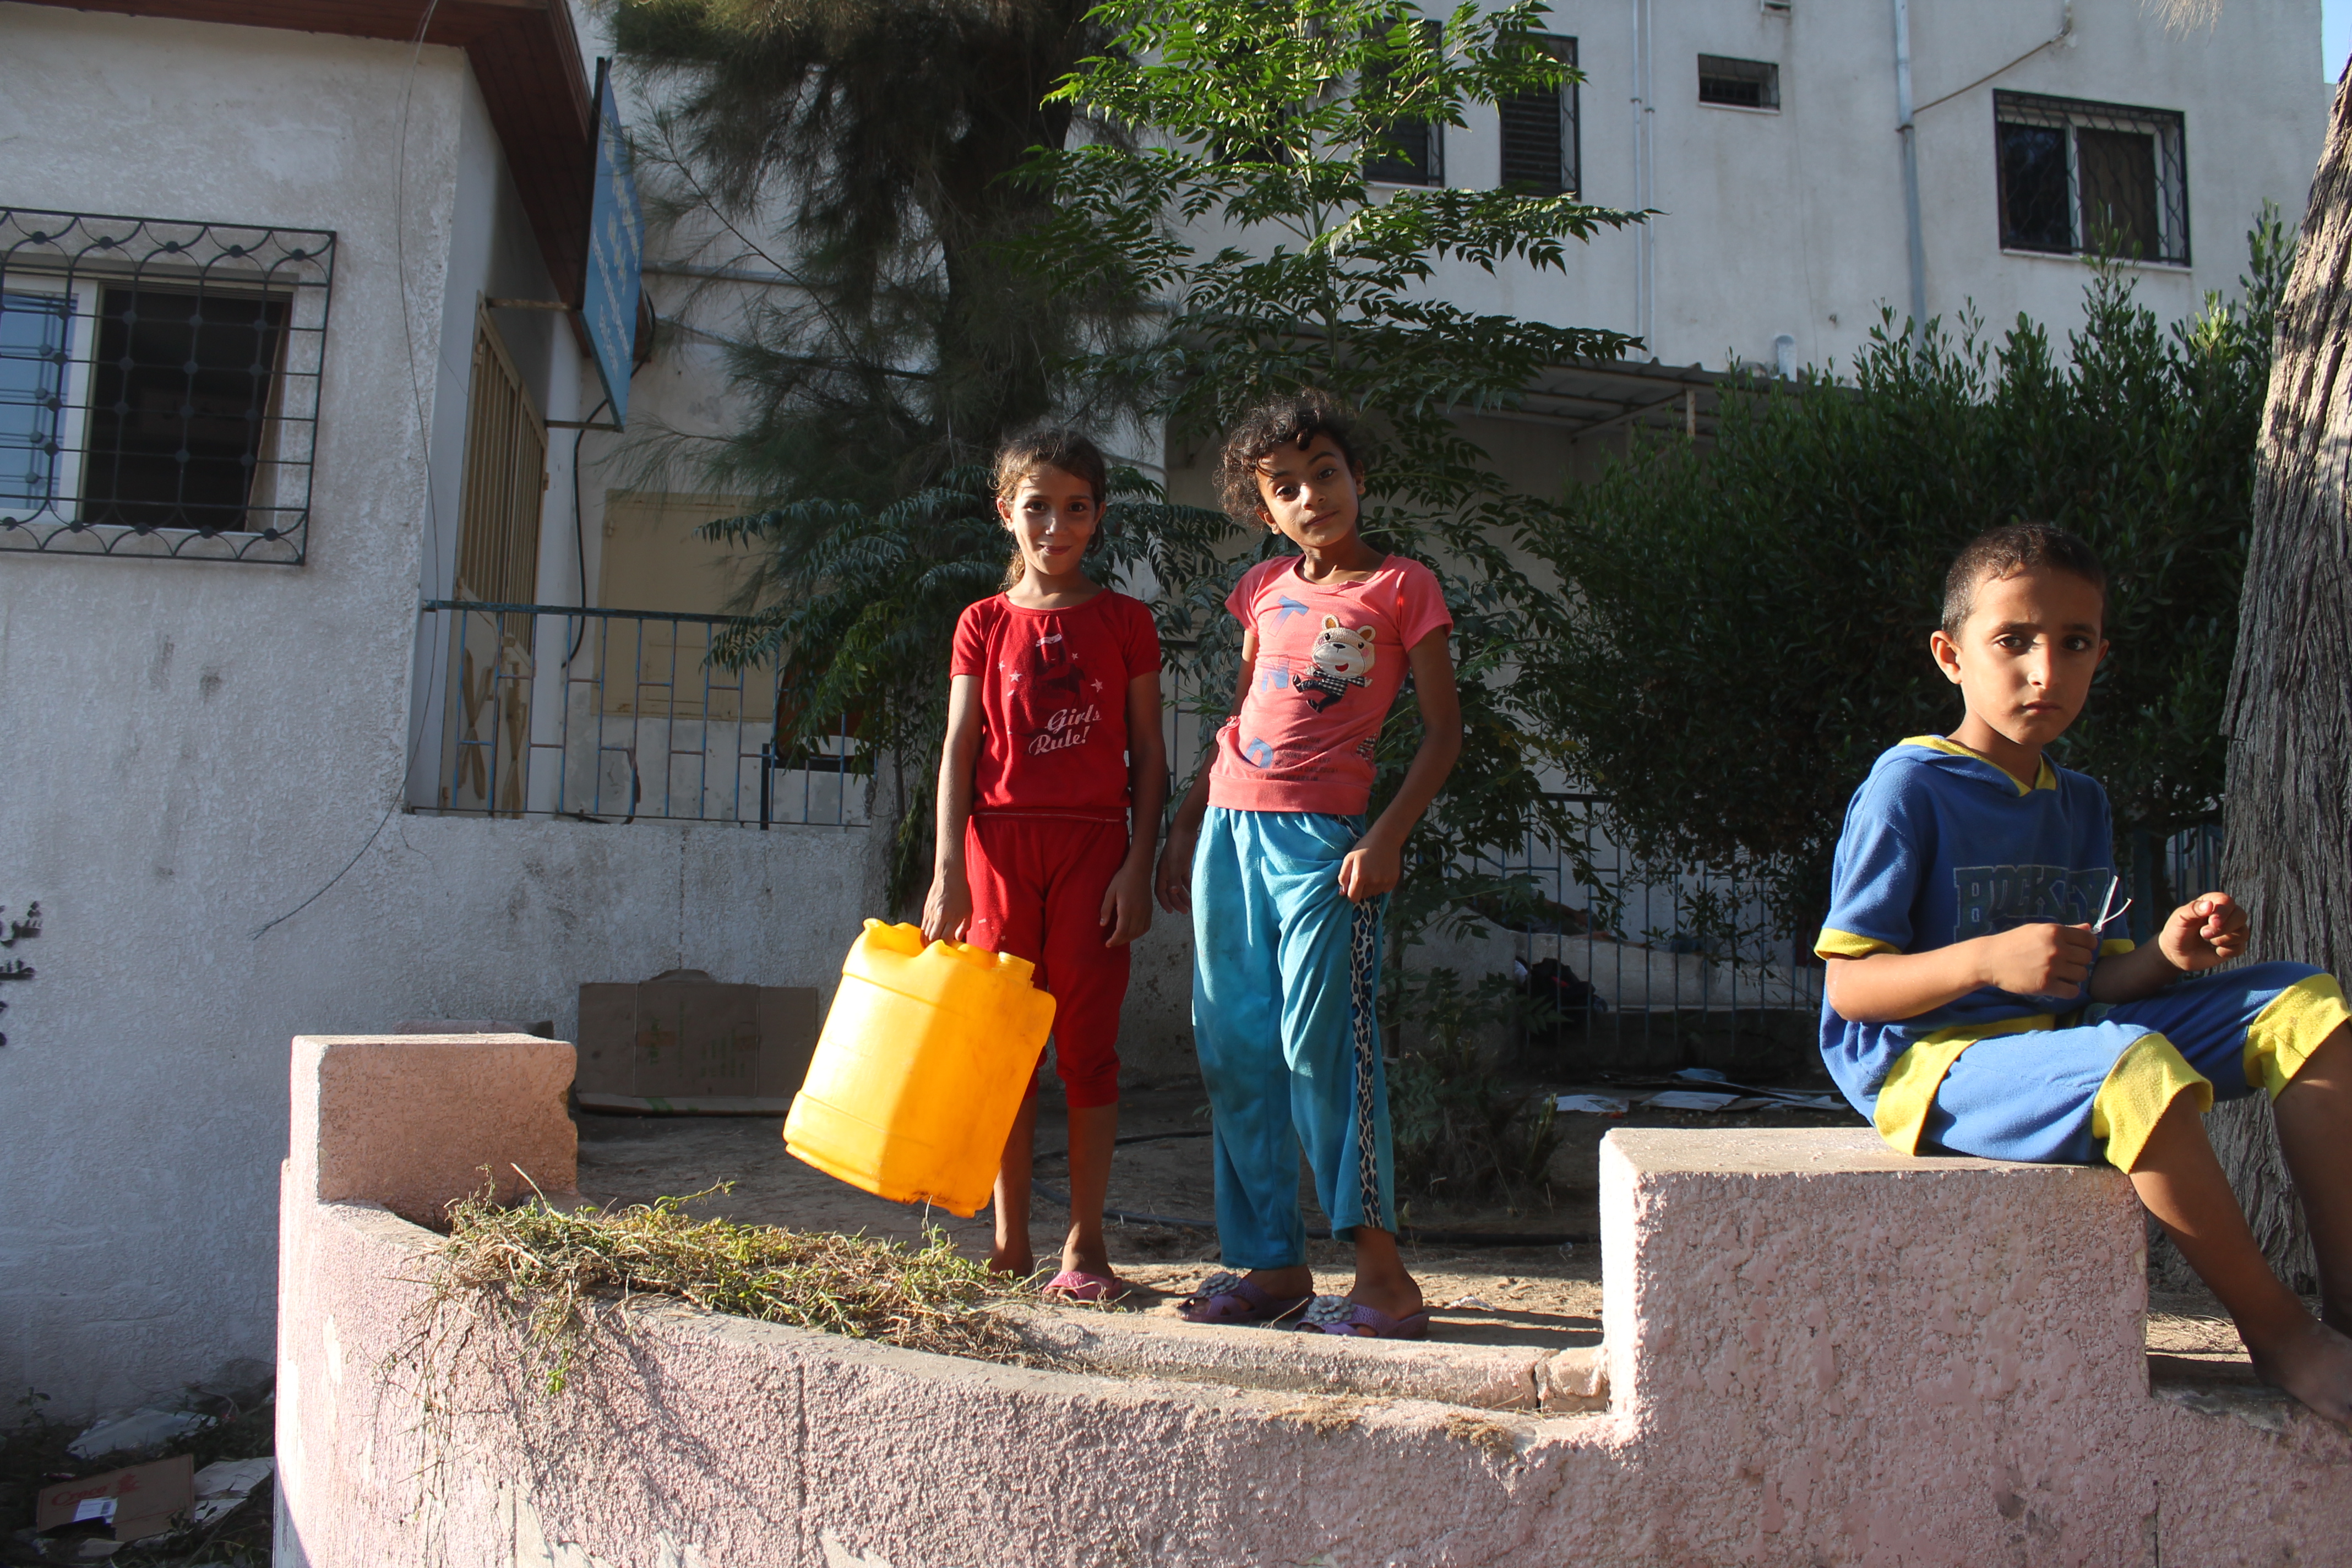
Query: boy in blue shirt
[[1976, 1003]]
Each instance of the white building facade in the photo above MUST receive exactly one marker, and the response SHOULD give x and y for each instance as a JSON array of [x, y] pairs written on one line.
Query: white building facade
[[225, 760], [268, 780]]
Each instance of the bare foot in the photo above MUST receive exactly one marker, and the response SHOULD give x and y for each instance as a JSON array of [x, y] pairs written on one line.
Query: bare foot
[[1398, 1301], [1091, 1256], [1020, 1265], [1283, 1284], [2312, 1361]]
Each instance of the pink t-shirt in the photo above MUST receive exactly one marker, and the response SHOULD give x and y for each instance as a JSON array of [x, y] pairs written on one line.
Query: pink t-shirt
[[1330, 657]]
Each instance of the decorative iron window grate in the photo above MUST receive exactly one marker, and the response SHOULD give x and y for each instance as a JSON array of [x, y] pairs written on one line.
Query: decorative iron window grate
[[1541, 154], [159, 386], [2094, 178]]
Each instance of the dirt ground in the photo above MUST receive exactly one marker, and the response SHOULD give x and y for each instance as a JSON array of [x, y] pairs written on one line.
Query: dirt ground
[[1546, 1295]]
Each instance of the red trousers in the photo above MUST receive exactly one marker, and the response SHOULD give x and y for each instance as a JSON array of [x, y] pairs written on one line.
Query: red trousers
[[1038, 886]]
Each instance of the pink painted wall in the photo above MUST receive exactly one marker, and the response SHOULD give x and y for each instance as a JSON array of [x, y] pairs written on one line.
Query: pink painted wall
[[1820, 1353]]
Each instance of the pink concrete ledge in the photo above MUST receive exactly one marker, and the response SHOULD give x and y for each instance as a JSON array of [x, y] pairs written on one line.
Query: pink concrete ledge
[[1815, 1353]]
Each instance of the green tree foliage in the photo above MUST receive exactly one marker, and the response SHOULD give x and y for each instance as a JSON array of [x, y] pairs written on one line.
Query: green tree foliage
[[861, 151], [1238, 196], [1747, 629]]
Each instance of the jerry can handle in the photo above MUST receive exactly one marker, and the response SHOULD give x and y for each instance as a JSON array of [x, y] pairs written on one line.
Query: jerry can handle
[[905, 939]]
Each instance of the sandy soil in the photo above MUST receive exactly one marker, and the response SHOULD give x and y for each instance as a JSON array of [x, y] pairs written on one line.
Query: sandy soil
[[1547, 1295]]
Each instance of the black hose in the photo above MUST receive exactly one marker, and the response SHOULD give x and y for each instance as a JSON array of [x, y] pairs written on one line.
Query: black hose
[[1417, 1237], [580, 531]]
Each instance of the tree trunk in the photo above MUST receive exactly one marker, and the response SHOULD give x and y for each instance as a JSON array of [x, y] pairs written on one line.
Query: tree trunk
[[2289, 715]]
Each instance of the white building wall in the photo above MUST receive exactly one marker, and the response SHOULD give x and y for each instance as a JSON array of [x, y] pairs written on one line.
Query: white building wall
[[196, 749], [1793, 222]]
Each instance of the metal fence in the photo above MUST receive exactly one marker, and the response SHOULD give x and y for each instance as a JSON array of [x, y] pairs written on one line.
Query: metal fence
[[620, 716]]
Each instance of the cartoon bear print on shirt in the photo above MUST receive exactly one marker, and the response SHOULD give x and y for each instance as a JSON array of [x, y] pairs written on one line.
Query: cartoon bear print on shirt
[[1343, 658]]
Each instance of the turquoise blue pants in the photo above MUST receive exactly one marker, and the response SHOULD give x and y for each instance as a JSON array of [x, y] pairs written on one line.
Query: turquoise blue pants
[[1284, 970]]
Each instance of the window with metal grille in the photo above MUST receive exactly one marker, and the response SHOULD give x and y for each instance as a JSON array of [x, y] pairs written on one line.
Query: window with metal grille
[[1420, 158], [1739, 84], [1539, 134], [2091, 178], [159, 386]]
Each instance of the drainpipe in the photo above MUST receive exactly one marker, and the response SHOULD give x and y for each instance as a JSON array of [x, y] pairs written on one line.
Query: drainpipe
[[1645, 268], [1910, 132]]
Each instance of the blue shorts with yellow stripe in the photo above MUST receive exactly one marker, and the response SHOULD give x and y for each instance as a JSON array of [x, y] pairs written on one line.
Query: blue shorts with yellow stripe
[[2091, 1086]]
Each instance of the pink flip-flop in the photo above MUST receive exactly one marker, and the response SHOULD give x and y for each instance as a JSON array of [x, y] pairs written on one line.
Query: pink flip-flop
[[1077, 1285], [1338, 1315]]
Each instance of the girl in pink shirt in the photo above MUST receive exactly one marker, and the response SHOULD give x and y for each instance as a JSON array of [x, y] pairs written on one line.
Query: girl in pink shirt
[[1286, 881]]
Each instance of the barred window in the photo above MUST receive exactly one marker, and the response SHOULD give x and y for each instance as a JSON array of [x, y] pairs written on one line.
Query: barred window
[[1539, 134], [2094, 178], [159, 386], [1739, 84], [1420, 158]]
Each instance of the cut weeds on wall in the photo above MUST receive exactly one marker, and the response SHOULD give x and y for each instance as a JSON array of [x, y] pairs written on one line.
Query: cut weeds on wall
[[544, 1269]]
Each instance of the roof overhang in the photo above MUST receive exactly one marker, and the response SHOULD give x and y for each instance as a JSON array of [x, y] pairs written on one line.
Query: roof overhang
[[1599, 398], [526, 59]]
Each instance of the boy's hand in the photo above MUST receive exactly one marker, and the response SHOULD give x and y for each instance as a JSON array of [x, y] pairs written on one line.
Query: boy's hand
[[947, 908], [1372, 868], [1173, 879], [1127, 906], [2207, 929], [2041, 959]]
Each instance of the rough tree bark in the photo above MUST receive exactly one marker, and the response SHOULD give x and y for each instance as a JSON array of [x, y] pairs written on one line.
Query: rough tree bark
[[2288, 813]]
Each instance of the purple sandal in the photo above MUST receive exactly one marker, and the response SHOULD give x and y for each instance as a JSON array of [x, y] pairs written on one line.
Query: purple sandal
[[1338, 1315], [1228, 1298]]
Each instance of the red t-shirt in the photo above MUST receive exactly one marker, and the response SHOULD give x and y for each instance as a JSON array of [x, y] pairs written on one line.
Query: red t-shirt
[[1331, 659], [1053, 703]]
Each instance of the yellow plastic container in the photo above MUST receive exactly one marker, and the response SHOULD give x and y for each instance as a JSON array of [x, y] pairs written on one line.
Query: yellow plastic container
[[920, 1070]]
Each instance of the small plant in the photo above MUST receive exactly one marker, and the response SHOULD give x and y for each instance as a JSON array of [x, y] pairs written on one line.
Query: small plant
[[1462, 1135], [543, 1269]]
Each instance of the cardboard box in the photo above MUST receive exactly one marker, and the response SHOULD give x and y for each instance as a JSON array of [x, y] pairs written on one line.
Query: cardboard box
[[135, 1503], [682, 1043]]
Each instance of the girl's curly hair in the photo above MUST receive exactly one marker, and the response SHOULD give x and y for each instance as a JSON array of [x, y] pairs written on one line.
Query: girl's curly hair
[[1293, 419]]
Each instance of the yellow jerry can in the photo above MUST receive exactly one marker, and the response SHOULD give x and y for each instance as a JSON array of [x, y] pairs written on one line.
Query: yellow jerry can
[[921, 1069]]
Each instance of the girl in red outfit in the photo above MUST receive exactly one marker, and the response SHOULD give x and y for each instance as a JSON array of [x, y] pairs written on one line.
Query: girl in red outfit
[[1053, 746]]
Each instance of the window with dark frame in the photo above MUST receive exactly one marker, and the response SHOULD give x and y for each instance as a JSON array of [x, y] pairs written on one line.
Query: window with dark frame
[[1540, 151], [1421, 156], [180, 393], [159, 386], [2080, 178], [1739, 84]]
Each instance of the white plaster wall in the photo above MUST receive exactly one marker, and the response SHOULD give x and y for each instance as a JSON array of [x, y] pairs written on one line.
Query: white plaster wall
[[194, 749], [1793, 222]]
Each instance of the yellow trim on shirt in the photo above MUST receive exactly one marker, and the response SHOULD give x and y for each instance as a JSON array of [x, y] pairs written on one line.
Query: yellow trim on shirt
[[2139, 1088], [1909, 1092], [1836, 943], [2114, 946], [2046, 779], [2285, 1034]]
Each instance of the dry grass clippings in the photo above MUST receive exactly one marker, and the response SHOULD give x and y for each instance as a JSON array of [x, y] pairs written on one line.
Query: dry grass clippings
[[1325, 1416], [550, 1269], [1479, 1431]]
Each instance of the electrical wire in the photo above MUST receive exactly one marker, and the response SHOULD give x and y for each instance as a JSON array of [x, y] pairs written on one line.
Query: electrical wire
[[423, 436], [580, 532]]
